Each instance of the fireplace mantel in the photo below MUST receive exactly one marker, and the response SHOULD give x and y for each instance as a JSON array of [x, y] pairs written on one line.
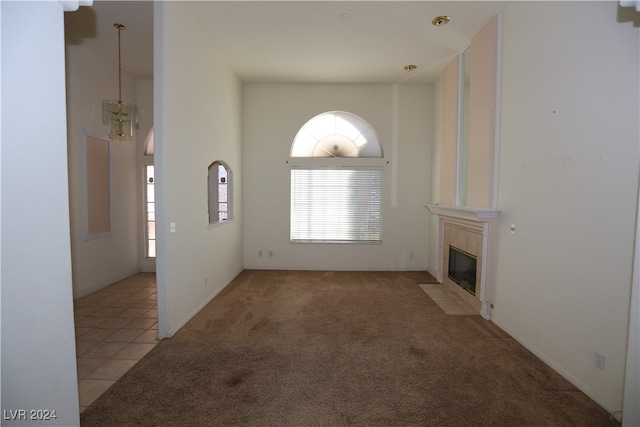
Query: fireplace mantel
[[479, 214]]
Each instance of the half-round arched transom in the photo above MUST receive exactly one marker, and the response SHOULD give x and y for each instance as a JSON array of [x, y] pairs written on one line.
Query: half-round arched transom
[[336, 134]]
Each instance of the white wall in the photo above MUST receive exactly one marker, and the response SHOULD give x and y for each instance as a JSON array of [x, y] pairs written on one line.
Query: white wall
[[38, 347], [569, 181], [101, 262], [273, 114], [144, 101], [197, 121]]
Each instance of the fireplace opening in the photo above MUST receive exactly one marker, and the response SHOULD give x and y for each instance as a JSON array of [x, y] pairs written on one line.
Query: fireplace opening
[[462, 269]]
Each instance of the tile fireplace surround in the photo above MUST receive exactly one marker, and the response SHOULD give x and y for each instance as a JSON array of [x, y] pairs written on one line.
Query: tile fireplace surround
[[473, 231]]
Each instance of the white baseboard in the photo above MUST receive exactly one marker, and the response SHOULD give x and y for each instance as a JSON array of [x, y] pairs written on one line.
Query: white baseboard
[[94, 289], [172, 331], [434, 273], [610, 408]]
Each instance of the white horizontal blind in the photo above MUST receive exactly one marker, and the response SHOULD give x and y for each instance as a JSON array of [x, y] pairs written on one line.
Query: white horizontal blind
[[336, 205]]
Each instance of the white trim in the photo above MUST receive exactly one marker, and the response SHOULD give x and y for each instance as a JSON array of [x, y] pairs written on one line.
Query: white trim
[[631, 391], [485, 312], [336, 162], [219, 223], [395, 102], [497, 113], [465, 212], [460, 116], [630, 3], [162, 222], [73, 5]]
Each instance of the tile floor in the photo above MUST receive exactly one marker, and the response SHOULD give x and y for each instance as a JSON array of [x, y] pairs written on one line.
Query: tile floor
[[115, 327], [449, 302]]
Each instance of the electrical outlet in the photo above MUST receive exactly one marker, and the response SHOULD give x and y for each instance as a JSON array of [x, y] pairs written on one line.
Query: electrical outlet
[[259, 253], [270, 252], [206, 282], [599, 361]]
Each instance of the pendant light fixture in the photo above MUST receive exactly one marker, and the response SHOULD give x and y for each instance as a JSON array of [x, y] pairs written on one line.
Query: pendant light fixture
[[120, 117]]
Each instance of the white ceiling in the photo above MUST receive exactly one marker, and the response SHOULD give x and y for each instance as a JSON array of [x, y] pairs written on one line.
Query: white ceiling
[[298, 41]]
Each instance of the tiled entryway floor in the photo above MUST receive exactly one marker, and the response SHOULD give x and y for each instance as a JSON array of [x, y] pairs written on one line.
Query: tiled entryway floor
[[115, 328], [448, 301]]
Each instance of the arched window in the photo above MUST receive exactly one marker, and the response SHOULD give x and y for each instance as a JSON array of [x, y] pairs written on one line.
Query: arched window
[[336, 134], [338, 201], [219, 187]]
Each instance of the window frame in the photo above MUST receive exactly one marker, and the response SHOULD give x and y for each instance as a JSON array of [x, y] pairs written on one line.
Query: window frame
[[148, 239], [213, 202]]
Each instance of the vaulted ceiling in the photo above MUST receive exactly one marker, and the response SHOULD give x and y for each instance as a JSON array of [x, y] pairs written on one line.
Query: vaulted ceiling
[[298, 41]]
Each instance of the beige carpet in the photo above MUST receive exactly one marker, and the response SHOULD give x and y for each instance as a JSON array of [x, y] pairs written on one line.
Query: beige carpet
[[291, 348]]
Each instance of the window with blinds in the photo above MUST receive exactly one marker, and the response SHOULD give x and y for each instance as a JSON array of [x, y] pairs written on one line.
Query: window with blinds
[[336, 205]]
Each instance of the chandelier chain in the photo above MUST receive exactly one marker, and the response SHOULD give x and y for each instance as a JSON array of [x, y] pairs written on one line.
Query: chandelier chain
[[120, 27]]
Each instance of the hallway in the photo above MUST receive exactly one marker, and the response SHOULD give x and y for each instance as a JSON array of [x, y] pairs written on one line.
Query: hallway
[[115, 328]]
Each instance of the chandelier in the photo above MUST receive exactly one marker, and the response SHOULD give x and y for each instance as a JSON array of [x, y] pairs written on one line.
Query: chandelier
[[120, 117]]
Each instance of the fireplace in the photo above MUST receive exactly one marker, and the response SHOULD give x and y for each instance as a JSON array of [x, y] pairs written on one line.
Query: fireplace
[[471, 233], [462, 269]]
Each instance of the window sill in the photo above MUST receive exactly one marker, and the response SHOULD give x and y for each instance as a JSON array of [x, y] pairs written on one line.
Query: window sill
[[218, 224]]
